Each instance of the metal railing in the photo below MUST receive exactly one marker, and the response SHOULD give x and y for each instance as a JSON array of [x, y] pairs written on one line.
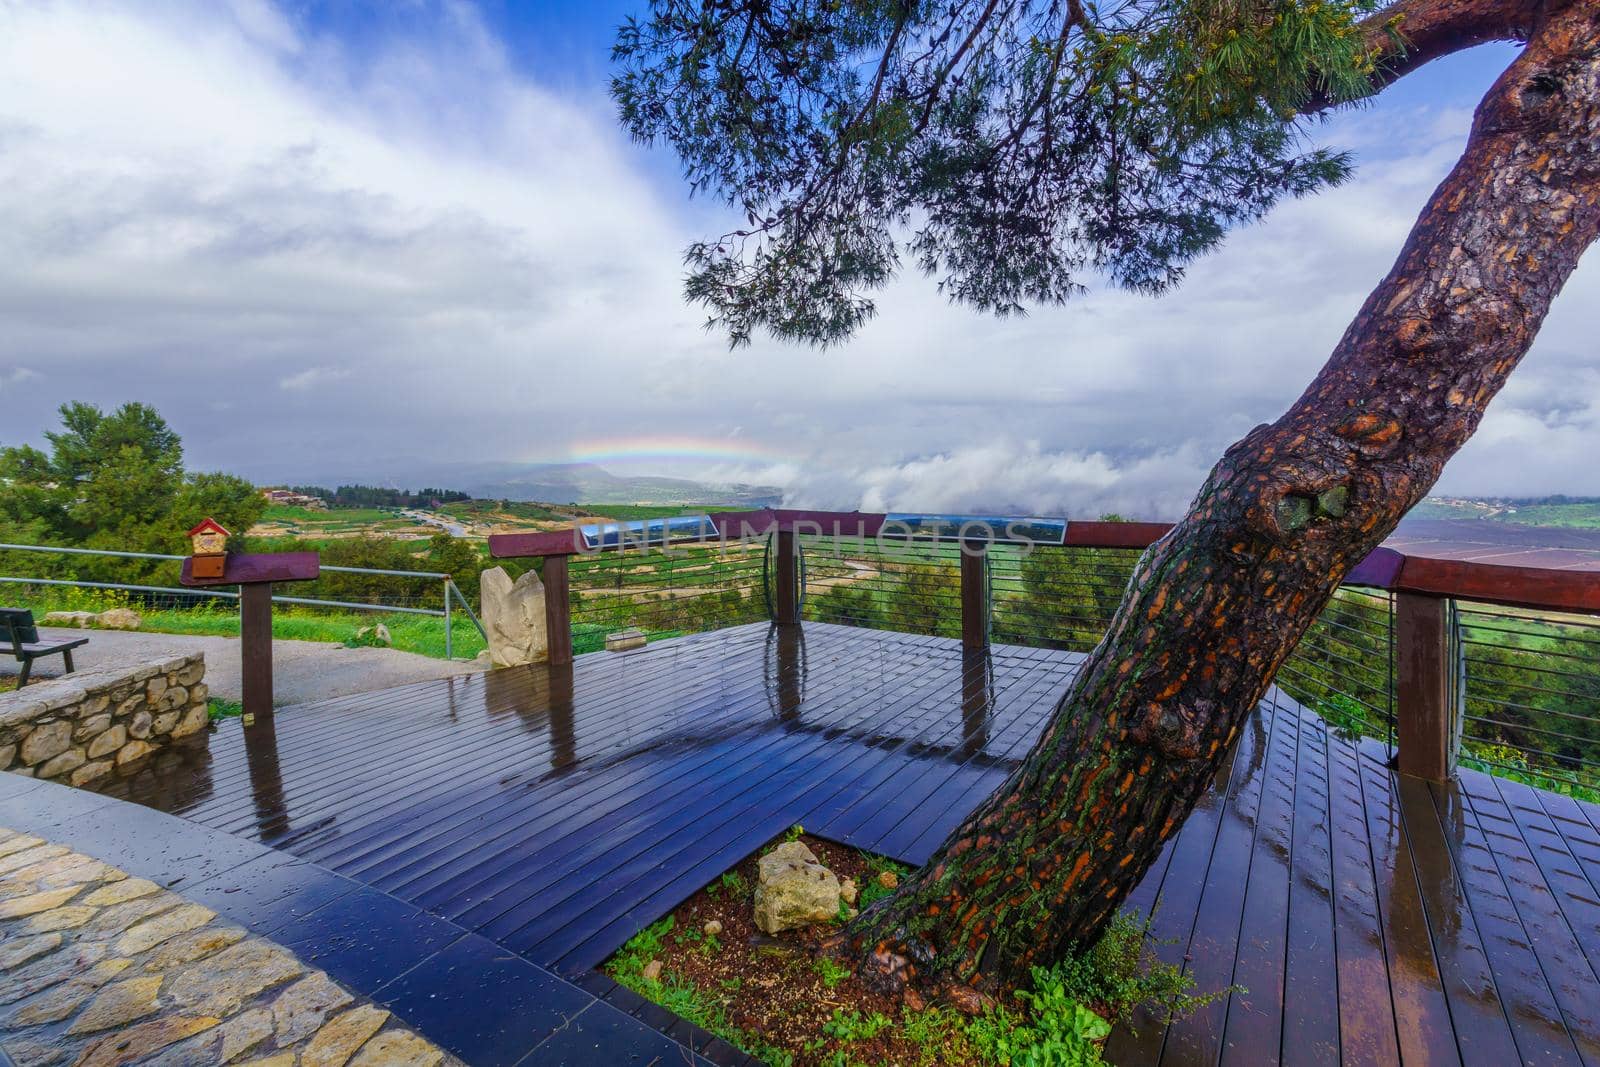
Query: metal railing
[[1529, 684], [450, 593], [909, 587], [1343, 668], [1391, 657], [1056, 597], [689, 589]]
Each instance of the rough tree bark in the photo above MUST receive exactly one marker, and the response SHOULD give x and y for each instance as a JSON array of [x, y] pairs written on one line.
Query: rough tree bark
[[1215, 607]]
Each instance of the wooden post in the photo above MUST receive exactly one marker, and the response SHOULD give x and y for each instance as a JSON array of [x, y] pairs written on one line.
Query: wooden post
[[975, 595], [255, 650], [1425, 716], [786, 580], [557, 610]]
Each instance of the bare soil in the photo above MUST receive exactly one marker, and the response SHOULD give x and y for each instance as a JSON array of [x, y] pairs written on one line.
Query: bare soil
[[777, 989]]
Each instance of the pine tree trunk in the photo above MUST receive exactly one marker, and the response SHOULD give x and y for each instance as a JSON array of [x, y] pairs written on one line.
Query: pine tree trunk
[[1214, 608]]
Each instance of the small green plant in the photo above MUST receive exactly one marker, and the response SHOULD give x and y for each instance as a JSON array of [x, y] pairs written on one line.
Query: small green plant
[[856, 1026], [872, 890], [832, 971], [734, 883], [365, 637], [1122, 973], [1491, 753], [1345, 714], [217, 708], [794, 832], [627, 966], [1059, 1032]]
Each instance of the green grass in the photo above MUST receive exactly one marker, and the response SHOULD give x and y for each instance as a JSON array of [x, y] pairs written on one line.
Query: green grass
[[330, 517], [482, 510], [1570, 516], [217, 708], [1575, 515], [422, 634]]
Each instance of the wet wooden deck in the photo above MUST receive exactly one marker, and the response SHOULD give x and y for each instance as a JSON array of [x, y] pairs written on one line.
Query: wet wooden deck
[[1373, 919]]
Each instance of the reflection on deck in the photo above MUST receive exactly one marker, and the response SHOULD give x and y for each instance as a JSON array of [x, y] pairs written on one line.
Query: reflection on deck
[[557, 810]]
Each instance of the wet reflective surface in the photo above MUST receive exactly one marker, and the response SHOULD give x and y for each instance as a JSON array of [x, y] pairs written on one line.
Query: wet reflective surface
[[551, 808], [557, 811]]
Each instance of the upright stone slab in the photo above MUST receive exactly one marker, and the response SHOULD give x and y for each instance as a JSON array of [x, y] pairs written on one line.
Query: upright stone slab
[[513, 616]]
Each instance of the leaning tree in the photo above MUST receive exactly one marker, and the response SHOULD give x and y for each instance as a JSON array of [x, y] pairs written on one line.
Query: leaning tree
[[1013, 149]]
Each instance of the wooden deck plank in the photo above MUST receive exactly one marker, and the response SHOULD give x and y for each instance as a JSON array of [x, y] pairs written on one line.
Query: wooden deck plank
[[1582, 838], [1253, 1026], [559, 812], [1214, 944], [1176, 912], [1483, 1035], [1366, 1008], [607, 790], [628, 842], [1554, 941], [1311, 969], [1573, 892], [1525, 987], [1421, 1011]]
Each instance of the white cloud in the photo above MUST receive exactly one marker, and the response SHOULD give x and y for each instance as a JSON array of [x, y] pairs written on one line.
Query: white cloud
[[313, 377], [13, 376], [313, 257]]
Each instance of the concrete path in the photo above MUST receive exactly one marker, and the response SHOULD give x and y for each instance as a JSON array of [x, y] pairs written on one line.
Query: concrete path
[[301, 670]]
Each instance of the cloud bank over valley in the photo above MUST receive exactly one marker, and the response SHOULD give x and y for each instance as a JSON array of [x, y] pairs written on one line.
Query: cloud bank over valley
[[326, 258]]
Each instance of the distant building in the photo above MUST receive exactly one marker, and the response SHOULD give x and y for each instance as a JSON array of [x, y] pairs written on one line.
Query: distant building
[[293, 499]]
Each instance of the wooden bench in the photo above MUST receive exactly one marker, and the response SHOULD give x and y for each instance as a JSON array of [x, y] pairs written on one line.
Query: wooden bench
[[16, 626]]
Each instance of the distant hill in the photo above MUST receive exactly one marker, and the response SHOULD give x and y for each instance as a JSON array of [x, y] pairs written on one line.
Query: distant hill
[[557, 483], [568, 483], [1580, 513]]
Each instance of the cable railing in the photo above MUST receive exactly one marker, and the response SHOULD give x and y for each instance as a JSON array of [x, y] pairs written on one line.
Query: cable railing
[[1523, 683], [684, 590], [1529, 689], [1503, 681], [1343, 668], [1056, 597], [908, 587]]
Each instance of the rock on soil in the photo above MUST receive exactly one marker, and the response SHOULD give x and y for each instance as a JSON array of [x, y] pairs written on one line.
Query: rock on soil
[[794, 889]]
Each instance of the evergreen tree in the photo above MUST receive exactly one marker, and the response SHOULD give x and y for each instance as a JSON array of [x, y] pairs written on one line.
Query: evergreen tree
[[1021, 148]]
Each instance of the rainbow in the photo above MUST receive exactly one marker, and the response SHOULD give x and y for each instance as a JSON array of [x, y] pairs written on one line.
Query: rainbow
[[645, 448]]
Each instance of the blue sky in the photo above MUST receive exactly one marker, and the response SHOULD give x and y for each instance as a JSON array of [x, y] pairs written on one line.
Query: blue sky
[[407, 241]]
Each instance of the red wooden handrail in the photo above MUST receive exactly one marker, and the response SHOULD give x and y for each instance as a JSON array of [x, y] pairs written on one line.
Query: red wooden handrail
[[1514, 586]]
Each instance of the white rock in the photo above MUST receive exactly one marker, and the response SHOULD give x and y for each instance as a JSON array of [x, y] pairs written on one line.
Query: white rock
[[794, 889], [80, 619], [623, 640], [119, 619], [513, 615], [378, 633]]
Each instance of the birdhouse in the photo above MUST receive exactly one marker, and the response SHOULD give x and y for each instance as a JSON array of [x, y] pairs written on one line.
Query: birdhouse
[[210, 548]]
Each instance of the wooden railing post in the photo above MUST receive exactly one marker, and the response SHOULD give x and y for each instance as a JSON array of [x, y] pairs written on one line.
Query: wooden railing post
[[1426, 718], [975, 595], [786, 579], [255, 652], [557, 610]]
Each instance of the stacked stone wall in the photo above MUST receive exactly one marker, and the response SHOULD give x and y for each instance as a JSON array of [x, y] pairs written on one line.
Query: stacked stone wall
[[82, 726]]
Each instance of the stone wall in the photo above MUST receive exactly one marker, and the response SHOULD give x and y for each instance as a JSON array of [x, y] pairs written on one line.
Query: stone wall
[[81, 726]]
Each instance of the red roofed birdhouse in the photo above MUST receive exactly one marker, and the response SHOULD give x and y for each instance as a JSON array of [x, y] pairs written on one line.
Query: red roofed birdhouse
[[210, 549]]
